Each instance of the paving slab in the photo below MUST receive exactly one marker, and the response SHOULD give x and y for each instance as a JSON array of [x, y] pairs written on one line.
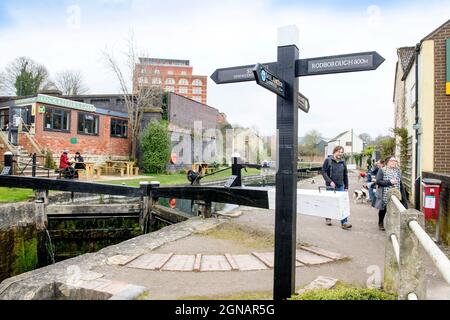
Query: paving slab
[[180, 263], [320, 282], [309, 258], [247, 262], [121, 260], [114, 287], [323, 252], [153, 261], [215, 263]]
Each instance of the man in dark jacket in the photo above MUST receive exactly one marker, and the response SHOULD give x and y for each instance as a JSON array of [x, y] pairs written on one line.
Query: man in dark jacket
[[334, 171]]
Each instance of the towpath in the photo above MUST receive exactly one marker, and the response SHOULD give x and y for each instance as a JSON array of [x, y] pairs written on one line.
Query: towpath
[[228, 256]]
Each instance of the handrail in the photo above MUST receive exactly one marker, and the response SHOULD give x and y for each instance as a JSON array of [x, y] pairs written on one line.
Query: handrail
[[406, 235], [412, 296], [396, 247], [399, 206], [439, 259], [26, 165], [35, 166], [34, 142]]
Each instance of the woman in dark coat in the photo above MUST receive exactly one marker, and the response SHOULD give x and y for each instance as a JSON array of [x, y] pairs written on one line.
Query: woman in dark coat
[[387, 178]]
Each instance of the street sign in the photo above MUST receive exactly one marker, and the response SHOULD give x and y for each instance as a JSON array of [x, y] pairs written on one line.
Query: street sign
[[281, 77], [265, 78], [237, 74], [352, 62], [303, 103]]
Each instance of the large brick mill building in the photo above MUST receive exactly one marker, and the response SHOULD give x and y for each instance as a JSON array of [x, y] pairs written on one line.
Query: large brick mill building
[[172, 76]]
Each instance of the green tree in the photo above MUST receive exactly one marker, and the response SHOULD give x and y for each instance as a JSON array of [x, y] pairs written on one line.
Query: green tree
[[155, 144], [387, 147], [25, 77], [165, 103], [309, 146]]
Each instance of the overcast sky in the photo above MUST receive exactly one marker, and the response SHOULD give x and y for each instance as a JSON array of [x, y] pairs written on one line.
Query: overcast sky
[[215, 34]]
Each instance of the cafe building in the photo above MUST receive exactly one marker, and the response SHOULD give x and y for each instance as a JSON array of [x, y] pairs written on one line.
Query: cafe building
[[57, 124]]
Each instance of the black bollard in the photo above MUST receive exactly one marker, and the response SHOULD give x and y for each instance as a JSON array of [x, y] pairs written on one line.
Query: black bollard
[[236, 171], [33, 168], [7, 170]]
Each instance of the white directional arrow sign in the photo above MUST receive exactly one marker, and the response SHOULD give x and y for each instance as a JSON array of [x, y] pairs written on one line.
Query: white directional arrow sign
[[352, 62], [303, 103]]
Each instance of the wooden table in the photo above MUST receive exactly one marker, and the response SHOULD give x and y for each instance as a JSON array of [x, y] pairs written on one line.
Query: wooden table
[[128, 164], [88, 167]]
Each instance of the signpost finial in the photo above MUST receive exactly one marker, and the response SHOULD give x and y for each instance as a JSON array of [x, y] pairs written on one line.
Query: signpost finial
[[288, 35]]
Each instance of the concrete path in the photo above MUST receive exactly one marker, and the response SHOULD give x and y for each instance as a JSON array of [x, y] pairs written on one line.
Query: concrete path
[[206, 252]]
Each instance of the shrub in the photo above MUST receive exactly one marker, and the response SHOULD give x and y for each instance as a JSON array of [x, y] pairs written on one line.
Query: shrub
[[155, 144], [49, 161], [342, 292]]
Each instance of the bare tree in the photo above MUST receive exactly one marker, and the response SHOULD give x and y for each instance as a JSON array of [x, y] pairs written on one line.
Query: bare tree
[[24, 76], [136, 102], [70, 82]]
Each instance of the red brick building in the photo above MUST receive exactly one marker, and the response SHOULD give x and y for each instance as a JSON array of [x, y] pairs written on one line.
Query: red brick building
[[171, 75], [55, 123]]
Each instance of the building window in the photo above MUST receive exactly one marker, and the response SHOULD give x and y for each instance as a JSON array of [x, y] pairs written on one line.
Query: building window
[[183, 90], [119, 128], [87, 124], [348, 144], [196, 90], [4, 119], [170, 88], [170, 72], [156, 81], [183, 73], [170, 81], [156, 71], [183, 82], [197, 98], [57, 119], [197, 83]]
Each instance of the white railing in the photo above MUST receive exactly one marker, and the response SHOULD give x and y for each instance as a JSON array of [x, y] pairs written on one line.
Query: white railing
[[406, 244]]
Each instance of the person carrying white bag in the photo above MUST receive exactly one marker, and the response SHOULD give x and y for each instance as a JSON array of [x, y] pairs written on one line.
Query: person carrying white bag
[[334, 171]]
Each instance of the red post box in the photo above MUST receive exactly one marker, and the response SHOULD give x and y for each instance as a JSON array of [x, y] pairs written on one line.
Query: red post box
[[431, 189]]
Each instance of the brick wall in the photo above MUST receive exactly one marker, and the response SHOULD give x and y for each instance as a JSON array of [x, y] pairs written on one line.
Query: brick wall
[[102, 145], [441, 103], [25, 143], [184, 112]]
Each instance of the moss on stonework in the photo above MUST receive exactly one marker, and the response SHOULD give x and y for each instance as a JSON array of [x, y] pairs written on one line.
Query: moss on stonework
[[18, 251]]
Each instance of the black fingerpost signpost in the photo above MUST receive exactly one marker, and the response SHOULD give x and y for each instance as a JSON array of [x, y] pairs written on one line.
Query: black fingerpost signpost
[[281, 77]]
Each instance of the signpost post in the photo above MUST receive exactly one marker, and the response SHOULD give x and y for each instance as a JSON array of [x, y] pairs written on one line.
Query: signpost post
[[281, 77]]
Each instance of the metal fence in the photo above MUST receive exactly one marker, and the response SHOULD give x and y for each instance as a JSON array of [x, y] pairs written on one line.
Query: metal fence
[[407, 246]]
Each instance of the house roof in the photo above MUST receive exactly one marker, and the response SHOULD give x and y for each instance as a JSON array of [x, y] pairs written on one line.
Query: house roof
[[406, 55], [339, 135], [429, 36], [406, 58]]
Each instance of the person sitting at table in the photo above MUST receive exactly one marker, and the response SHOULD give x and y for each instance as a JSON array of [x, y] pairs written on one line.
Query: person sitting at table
[[79, 163], [65, 165]]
